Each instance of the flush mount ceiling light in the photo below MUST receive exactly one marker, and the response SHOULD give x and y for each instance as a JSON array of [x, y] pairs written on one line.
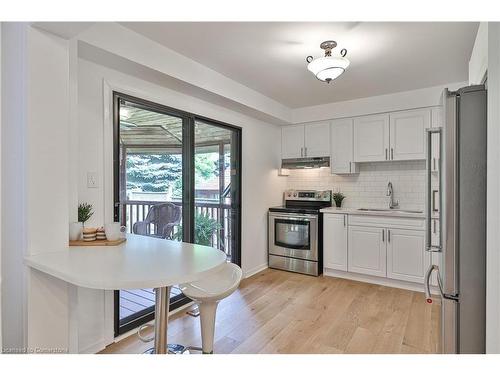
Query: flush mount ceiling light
[[328, 68]]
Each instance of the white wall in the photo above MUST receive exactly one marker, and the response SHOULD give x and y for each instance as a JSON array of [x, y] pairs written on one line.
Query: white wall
[[46, 184], [34, 184], [485, 64], [13, 125], [261, 187], [368, 188], [0, 185], [426, 97], [493, 190], [478, 63]]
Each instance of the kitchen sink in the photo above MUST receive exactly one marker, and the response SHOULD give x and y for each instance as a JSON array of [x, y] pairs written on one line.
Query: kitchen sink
[[391, 210]]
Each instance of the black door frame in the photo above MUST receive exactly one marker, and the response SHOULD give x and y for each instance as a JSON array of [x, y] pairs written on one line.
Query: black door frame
[[188, 186]]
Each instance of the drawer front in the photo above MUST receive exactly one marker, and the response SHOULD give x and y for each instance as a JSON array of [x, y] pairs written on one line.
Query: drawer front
[[294, 265], [387, 222]]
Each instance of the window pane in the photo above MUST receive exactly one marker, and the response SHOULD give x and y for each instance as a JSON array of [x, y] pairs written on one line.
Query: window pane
[[213, 189]]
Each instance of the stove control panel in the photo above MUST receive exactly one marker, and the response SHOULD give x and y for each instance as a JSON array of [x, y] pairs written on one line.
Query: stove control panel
[[309, 195]]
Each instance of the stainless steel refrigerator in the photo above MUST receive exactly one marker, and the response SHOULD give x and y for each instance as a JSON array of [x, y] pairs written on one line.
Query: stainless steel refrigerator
[[461, 196]]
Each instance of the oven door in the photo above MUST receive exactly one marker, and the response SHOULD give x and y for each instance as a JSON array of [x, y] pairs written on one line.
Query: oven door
[[293, 235]]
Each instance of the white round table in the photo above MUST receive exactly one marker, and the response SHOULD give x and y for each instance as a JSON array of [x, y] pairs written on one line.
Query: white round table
[[140, 262]]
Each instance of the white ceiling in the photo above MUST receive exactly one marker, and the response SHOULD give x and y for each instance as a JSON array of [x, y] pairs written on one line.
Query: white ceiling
[[270, 57]]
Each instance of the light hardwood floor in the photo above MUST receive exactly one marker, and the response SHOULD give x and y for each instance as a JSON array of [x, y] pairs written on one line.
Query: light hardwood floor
[[281, 312]]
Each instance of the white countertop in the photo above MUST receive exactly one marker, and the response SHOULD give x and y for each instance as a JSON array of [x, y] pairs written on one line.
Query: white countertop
[[355, 211], [140, 262]]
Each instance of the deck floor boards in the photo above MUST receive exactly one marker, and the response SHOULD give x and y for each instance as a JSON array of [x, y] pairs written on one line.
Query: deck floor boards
[[136, 300]]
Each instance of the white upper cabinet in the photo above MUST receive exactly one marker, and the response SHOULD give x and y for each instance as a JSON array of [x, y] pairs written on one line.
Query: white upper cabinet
[[292, 141], [371, 138], [383, 137], [317, 139], [300, 141], [407, 134], [335, 241], [406, 256], [342, 147]]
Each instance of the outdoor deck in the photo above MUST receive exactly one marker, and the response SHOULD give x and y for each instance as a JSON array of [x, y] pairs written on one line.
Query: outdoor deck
[[135, 300]]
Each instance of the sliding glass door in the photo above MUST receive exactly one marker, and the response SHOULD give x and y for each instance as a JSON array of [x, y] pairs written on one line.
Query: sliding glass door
[[176, 178], [217, 187]]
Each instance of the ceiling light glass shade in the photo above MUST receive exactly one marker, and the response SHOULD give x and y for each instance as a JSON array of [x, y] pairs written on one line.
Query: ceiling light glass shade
[[328, 68]]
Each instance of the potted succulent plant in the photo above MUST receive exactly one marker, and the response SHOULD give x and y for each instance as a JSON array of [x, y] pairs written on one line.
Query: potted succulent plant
[[338, 198], [85, 212]]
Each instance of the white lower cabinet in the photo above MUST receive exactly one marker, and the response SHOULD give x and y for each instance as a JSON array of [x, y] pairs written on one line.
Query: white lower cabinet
[[387, 247], [367, 250], [406, 256], [335, 242]]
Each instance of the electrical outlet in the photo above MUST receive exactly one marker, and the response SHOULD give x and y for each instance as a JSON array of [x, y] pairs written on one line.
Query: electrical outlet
[[92, 181]]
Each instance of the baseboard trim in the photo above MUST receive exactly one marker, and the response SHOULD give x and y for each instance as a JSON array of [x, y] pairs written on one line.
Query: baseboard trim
[[94, 348], [255, 270], [375, 280]]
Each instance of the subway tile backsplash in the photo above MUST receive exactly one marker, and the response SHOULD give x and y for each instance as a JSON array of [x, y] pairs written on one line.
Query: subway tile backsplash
[[368, 188]]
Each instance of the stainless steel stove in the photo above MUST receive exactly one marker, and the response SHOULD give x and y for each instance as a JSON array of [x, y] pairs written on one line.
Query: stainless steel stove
[[296, 232]]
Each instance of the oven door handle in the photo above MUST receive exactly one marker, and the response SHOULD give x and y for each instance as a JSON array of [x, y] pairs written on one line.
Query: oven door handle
[[294, 216]]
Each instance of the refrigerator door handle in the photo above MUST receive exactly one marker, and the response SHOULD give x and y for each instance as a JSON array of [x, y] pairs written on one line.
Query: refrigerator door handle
[[427, 280], [427, 287], [428, 226]]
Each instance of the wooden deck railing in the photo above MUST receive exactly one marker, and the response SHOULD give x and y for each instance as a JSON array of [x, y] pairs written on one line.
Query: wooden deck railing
[[138, 210]]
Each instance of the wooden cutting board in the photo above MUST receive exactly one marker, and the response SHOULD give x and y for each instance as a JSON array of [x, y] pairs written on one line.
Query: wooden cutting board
[[97, 242]]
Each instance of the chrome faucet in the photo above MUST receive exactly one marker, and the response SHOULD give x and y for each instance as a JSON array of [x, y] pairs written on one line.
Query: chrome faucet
[[390, 193]]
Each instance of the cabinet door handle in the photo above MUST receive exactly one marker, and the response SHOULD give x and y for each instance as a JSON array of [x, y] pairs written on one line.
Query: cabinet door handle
[[435, 226], [383, 235], [305, 151], [385, 154], [434, 163], [302, 152], [392, 153], [349, 167], [388, 235], [344, 220]]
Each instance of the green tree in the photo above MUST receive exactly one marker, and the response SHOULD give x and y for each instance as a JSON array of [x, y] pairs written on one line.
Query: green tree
[[206, 165], [159, 172], [153, 173]]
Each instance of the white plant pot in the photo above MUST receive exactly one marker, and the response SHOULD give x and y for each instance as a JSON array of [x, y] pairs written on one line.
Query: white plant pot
[[75, 231]]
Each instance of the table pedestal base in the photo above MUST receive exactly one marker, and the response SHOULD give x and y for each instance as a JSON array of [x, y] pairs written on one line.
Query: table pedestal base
[[162, 304], [176, 349]]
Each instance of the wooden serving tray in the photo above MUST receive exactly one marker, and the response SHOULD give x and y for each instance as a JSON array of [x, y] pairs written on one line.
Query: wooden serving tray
[[97, 242]]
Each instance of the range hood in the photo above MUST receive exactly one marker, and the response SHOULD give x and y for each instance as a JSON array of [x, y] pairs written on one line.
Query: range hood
[[303, 163]]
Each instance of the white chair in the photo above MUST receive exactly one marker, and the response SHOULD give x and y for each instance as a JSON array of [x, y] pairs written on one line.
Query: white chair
[[207, 293]]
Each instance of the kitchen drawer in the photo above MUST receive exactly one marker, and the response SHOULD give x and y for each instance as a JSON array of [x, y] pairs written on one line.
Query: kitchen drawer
[[387, 222]]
